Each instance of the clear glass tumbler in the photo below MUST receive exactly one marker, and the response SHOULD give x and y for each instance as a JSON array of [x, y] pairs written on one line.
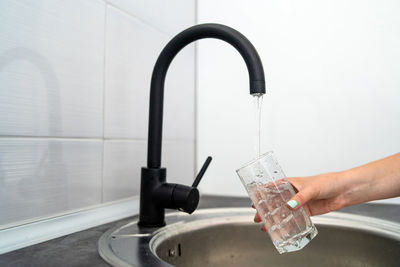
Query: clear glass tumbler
[[269, 189]]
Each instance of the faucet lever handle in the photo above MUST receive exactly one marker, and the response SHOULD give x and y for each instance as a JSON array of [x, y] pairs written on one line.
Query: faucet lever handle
[[202, 171]]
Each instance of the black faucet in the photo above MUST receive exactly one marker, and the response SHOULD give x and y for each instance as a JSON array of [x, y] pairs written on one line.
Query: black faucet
[[155, 193]]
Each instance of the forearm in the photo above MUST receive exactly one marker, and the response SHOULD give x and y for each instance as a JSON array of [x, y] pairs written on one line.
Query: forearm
[[376, 180]]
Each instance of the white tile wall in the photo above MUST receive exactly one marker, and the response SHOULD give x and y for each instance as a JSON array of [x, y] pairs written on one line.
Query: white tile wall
[[41, 177], [168, 16], [178, 158], [74, 87], [123, 160], [51, 68], [132, 48]]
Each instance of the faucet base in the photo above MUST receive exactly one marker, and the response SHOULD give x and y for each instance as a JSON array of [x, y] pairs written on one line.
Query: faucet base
[[152, 212]]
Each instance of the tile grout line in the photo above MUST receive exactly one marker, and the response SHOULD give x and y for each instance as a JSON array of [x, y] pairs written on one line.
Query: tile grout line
[[50, 137], [27, 137], [104, 100], [195, 92]]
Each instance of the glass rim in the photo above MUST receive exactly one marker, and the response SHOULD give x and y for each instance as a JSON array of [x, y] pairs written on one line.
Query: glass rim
[[254, 160]]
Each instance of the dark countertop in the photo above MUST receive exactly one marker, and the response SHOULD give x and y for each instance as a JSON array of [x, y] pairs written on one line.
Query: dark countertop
[[80, 249]]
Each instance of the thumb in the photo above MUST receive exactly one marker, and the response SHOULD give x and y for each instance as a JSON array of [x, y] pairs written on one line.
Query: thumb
[[301, 198]]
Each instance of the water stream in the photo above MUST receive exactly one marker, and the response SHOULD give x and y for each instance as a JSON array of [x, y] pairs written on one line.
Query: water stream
[[257, 123], [258, 106]]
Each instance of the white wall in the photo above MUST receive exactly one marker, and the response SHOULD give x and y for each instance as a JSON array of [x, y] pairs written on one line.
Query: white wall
[[333, 86], [74, 87]]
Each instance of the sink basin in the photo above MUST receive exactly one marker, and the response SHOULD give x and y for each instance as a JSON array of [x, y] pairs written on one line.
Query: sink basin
[[228, 237]]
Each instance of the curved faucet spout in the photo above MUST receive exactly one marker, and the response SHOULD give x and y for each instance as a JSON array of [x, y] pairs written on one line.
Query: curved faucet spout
[[218, 31], [155, 193]]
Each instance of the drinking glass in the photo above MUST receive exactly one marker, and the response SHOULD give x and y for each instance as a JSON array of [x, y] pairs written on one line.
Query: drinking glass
[[269, 189]]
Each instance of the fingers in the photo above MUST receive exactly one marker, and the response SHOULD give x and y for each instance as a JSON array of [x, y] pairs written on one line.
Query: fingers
[[297, 183], [301, 198], [257, 218], [308, 210]]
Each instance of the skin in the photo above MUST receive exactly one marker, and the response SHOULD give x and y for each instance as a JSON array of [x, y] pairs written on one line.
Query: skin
[[328, 192]]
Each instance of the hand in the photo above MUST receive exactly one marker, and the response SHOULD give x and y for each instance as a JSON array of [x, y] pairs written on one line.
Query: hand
[[317, 194], [332, 191]]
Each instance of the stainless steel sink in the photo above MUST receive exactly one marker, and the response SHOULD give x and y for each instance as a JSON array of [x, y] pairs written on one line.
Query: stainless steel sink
[[228, 237]]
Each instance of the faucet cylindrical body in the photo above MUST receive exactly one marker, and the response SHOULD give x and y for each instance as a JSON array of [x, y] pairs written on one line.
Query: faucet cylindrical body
[[155, 193], [152, 212]]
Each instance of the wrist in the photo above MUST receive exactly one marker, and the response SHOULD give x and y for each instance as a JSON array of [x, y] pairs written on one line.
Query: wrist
[[355, 186]]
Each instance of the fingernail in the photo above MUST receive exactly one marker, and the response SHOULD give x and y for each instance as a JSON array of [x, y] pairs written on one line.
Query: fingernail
[[292, 203]]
